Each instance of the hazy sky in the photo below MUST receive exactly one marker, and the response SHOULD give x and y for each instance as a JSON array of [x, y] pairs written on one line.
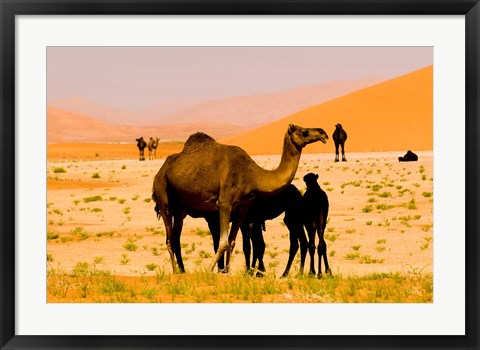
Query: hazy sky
[[139, 77]]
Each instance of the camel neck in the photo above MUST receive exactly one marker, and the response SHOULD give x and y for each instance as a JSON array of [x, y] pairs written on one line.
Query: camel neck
[[272, 181]]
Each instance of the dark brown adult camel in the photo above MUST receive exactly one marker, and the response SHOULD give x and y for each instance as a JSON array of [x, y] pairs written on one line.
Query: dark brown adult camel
[[208, 176], [141, 144], [339, 137]]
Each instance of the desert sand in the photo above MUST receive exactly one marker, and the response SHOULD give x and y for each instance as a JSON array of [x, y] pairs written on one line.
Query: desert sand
[[380, 220]]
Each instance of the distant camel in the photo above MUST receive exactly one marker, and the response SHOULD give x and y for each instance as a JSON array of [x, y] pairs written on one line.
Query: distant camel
[[315, 216], [141, 144], [408, 157], [152, 148], [209, 176], [339, 137]]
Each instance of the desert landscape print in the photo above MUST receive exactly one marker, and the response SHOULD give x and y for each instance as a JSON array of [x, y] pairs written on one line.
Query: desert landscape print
[[215, 174]]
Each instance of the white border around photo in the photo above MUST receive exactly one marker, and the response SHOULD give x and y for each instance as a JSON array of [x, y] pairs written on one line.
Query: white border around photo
[[445, 316]]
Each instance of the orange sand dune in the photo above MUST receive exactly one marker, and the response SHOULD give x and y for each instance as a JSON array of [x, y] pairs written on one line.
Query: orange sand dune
[[396, 115]]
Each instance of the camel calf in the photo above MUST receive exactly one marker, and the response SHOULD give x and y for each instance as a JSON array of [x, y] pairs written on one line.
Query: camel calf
[[315, 220]]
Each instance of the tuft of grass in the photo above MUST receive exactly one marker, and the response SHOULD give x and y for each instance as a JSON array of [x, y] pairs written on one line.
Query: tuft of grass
[[151, 266], [332, 238], [125, 259], [356, 247], [385, 194], [384, 206], [98, 260], [130, 246], [80, 232], [51, 235], [59, 170], [96, 210], [92, 199], [201, 232], [369, 222], [203, 254], [412, 205], [426, 228], [95, 176], [376, 187], [427, 194], [381, 241], [367, 259], [367, 209], [352, 256]]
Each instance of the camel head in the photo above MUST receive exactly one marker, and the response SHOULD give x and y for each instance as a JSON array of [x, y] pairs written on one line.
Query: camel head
[[338, 126], [139, 139], [303, 136], [311, 180]]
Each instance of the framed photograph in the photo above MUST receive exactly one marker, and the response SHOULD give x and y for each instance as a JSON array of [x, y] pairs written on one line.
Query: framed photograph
[[231, 174]]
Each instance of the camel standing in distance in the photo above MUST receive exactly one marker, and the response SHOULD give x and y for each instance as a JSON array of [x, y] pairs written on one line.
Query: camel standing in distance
[[315, 220], [152, 148], [141, 144], [209, 176], [339, 137]]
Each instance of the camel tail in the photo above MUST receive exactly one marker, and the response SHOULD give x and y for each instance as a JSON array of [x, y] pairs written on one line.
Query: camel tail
[[157, 207]]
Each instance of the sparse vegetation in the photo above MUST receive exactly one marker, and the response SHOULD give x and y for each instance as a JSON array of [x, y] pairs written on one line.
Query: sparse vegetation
[[92, 199], [59, 170]]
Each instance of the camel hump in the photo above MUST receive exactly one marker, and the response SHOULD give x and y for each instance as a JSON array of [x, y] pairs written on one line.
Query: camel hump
[[198, 138]]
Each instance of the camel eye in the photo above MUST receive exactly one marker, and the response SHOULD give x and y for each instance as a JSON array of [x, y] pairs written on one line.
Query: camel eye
[[305, 133]]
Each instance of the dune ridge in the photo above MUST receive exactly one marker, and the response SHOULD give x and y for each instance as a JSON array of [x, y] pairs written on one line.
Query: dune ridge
[[395, 115]]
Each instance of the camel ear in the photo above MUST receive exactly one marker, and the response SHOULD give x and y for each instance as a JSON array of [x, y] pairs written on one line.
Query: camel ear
[[291, 129]]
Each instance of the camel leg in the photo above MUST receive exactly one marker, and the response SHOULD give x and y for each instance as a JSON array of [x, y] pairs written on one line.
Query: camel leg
[[336, 152], [343, 152], [177, 231], [322, 245], [247, 249], [213, 226], [233, 233], [225, 210], [167, 221], [258, 248], [293, 236], [311, 245], [303, 247]]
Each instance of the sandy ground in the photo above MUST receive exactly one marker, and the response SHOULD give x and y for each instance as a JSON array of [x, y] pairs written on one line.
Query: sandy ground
[[380, 216]]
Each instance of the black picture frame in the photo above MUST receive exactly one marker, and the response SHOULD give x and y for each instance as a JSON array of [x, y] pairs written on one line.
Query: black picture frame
[[11, 8]]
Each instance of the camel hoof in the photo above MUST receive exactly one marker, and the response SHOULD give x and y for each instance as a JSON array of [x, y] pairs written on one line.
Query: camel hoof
[[224, 271]]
